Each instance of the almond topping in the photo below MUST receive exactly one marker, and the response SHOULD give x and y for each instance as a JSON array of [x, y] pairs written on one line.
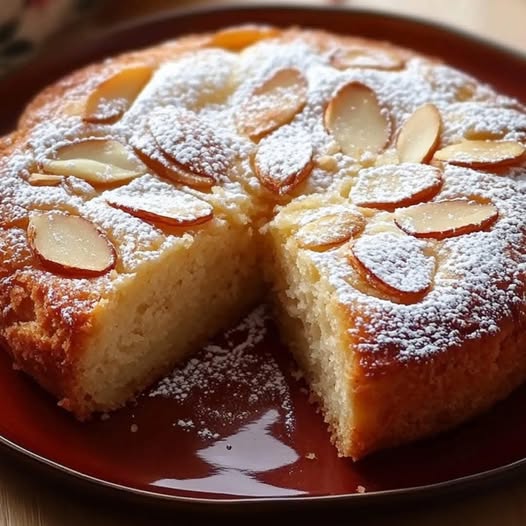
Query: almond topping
[[176, 209], [355, 119], [330, 230], [395, 265], [38, 179], [389, 187], [97, 161], [70, 245], [113, 96], [481, 154], [273, 103], [360, 57], [443, 219], [419, 135], [196, 155], [283, 160], [237, 38]]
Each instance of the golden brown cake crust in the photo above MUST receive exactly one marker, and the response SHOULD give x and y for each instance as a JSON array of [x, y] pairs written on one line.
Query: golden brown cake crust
[[408, 401]]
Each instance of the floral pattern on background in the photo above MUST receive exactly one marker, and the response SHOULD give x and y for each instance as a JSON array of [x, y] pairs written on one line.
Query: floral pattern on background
[[24, 24]]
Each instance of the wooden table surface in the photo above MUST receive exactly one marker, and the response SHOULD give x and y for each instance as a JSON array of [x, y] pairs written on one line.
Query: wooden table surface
[[29, 499]]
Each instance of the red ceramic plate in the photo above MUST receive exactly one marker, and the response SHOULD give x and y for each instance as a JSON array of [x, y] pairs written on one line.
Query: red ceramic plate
[[238, 428]]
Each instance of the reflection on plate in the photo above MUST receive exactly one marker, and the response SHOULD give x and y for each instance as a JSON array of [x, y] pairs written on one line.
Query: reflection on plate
[[234, 423]]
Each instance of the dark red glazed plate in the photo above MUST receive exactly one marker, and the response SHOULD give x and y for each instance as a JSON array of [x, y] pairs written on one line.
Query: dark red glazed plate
[[249, 436]]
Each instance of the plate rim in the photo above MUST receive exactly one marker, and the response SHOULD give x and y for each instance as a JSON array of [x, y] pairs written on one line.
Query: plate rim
[[456, 484], [238, 5], [427, 490]]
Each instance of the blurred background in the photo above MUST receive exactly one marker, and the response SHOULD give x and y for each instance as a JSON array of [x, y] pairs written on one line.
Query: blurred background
[[25, 25]]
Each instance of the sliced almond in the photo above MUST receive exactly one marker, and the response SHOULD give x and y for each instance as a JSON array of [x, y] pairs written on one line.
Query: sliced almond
[[70, 245], [443, 219], [361, 57], [196, 155], [418, 138], [283, 160], [388, 187], [174, 209], [38, 179], [273, 103], [481, 154], [330, 230], [240, 37], [113, 96], [395, 265], [97, 161], [356, 120], [166, 168]]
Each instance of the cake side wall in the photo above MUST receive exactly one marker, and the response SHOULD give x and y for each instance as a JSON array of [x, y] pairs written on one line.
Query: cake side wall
[[419, 399]]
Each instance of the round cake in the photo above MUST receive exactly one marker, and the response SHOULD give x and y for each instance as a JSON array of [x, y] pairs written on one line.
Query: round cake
[[373, 195]]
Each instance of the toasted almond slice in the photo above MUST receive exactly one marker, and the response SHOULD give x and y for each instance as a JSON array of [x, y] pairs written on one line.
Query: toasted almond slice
[[361, 57], [356, 121], [239, 37], [388, 187], [199, 157], [113, 96], [419, 135], [97, 161], [283, 160], [70, 245], [91, 171], [449, 218], [176, 209], [330, 230], [395, 265], [481, 154], [166, 168], [273, 103], [106, 151], [38, 179]]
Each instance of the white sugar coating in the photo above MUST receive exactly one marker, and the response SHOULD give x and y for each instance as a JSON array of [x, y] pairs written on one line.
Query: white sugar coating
[[490, 152], [283, 156], [453, 84], [159, 199], [464, 120], [138, 240], [272, 103], [109, 108], [360, 56], [186, 424], [197, 78], [190, 142], [14, 250], [252, 374], [180, 207], [392, 184], [329, 229], [398, 261]]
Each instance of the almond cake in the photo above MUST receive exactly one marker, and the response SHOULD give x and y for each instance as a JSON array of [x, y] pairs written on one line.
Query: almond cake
[[146, 202]]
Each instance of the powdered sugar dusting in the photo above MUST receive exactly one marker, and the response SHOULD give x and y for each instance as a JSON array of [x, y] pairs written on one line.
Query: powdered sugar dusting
[[392, 184], [283, 158], [188, 140], [398, 261], [160, 201], [470, 120], [250, 375]]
